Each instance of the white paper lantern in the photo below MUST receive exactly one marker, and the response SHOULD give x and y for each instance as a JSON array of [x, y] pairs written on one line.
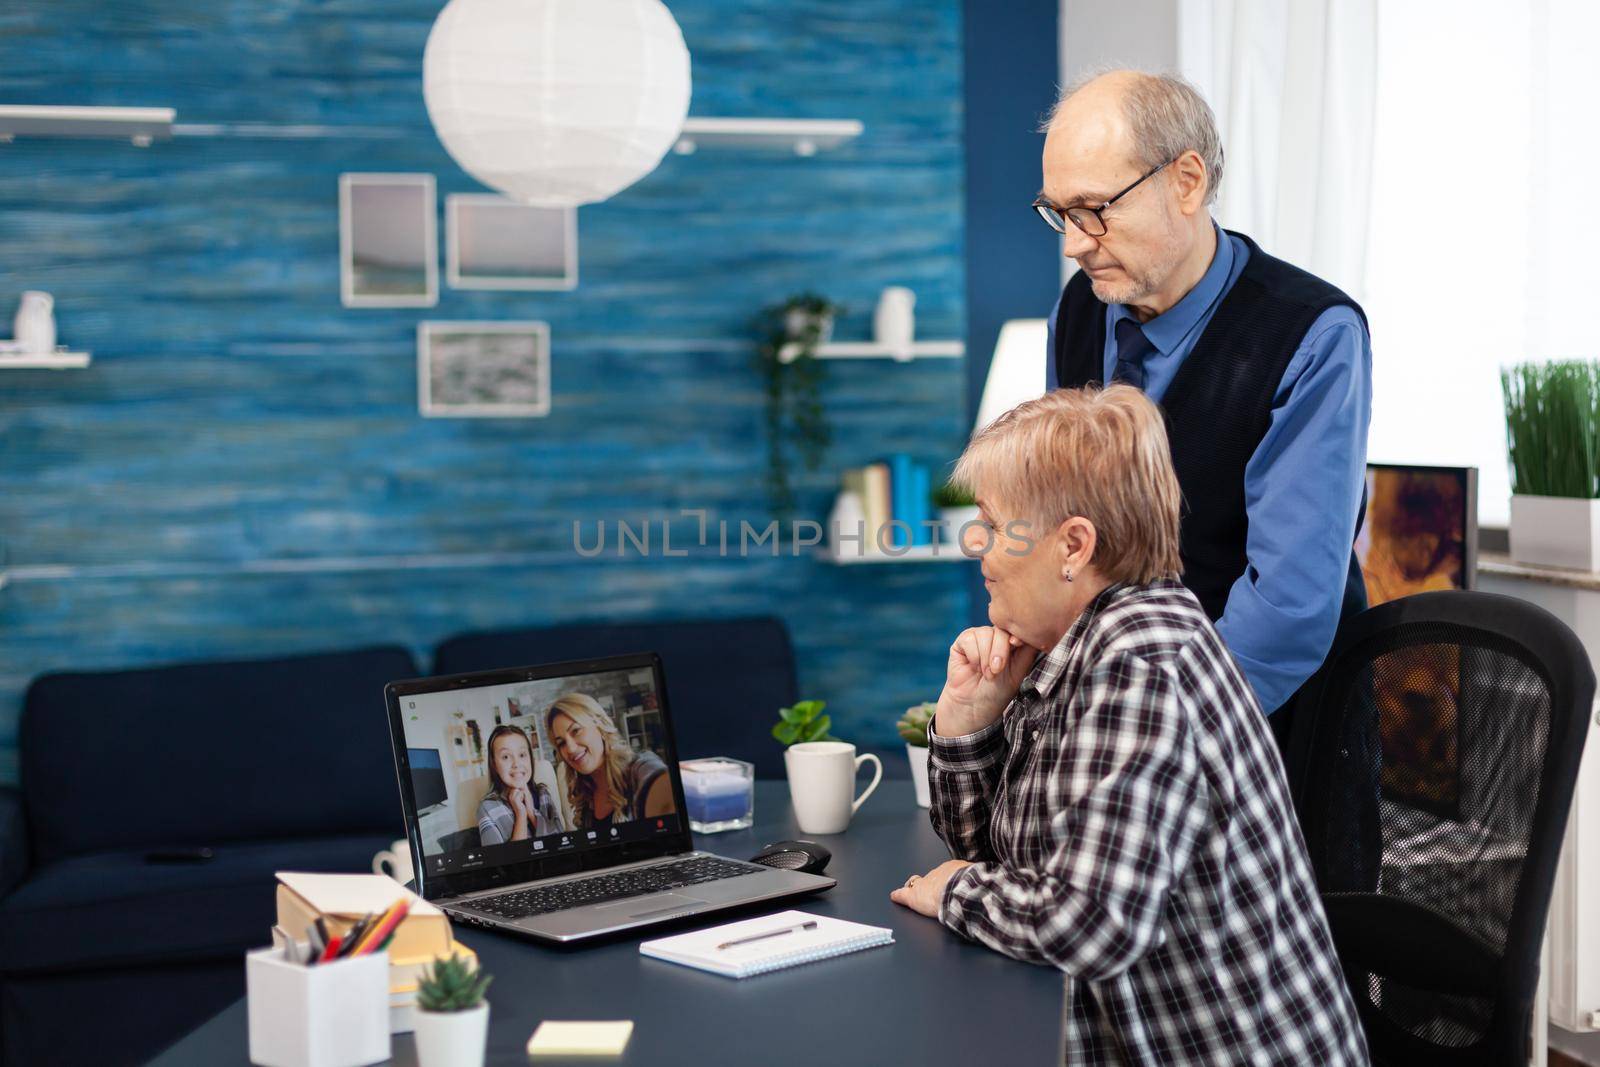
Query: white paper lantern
[[556, 102]]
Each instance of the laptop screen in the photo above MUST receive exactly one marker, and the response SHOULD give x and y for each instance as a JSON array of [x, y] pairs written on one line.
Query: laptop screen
[[512, 768]]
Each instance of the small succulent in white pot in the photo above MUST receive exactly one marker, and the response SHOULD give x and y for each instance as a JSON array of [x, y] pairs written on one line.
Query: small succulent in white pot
[[913, 727], [452, 1019]]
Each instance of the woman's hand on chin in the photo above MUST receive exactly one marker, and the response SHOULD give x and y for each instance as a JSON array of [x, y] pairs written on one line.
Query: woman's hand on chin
[[986, 667]]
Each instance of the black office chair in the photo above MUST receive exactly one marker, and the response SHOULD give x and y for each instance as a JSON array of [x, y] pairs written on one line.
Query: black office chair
[[1441, 743]]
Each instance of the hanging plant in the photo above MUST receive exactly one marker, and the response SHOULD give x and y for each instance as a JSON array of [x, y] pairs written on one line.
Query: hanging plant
[[795, 416]]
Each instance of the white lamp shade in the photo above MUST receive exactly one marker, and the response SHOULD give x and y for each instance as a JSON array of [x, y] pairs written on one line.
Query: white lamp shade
[[1017, 371], [556, 102]]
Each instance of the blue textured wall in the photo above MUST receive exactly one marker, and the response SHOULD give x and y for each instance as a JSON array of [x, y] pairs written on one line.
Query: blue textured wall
[[1013, 263], [243, 471]]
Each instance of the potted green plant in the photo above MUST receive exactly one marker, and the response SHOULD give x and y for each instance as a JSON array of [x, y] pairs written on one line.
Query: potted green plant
[[803, 721], [452, 1018], [913, 727], [1553, 442], [790, 335], [956, 508]]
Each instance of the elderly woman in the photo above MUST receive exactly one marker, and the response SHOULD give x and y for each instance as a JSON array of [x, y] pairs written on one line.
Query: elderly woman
[[1104, 774]]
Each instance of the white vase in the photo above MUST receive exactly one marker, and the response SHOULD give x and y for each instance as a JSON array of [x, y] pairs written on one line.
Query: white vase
[[918, 755], [951, 520], [894, 323], [452, 1038], [1553, 531], [847, 524], [35, 326]]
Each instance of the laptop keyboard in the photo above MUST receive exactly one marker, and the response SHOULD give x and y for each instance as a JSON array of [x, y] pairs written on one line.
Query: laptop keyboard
[[580, 892]]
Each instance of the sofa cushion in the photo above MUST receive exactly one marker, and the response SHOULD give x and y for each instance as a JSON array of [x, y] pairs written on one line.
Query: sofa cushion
[[206, 754], [111, 909], [726, 678]]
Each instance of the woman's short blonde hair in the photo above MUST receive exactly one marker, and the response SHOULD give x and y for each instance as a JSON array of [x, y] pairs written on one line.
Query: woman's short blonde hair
[[1101, 454]]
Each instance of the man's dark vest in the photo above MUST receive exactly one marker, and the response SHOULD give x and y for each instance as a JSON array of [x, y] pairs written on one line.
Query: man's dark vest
[[1218, 407]]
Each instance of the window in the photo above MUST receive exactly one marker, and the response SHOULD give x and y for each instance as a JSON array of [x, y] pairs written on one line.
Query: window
[[1482, 222]]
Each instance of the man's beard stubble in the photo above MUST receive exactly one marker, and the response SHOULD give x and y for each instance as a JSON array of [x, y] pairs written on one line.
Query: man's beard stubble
[[1145, 283]]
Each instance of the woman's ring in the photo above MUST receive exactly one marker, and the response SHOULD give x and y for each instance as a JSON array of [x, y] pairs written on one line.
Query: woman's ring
[[912, 880]]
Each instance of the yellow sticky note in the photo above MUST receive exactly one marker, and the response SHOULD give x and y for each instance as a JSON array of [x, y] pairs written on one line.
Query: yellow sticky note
[[580, 1039]]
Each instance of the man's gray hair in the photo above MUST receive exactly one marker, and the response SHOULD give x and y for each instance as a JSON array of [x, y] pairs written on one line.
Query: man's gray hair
[[1168, 117]]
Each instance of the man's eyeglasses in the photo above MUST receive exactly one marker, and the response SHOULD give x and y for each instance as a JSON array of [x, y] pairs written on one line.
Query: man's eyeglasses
[[1087, 219]]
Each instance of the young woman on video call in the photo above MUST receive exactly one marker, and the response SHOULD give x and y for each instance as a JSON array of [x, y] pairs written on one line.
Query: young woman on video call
[[605, 780], [516, 807]]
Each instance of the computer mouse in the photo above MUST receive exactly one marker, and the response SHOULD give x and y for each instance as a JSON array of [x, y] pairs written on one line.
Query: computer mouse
[[808, 857]]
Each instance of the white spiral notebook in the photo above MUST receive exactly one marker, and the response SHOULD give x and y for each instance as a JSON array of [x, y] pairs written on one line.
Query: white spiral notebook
[[770, 943]]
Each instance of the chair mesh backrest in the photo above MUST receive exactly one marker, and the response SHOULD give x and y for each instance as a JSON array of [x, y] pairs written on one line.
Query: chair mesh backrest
[[1445, 729]]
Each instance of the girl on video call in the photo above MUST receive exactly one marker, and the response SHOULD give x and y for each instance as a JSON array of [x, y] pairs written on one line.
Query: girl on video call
[[606, 780], [516, 807]]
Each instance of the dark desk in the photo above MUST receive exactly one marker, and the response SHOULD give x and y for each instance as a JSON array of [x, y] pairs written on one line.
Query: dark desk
[[929, 998]]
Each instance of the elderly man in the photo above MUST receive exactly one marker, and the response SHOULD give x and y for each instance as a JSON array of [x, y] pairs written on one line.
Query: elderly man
[[1262, 370]]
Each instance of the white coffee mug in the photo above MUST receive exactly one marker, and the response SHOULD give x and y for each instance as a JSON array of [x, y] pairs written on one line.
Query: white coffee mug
[[822, 784], [395, 861]]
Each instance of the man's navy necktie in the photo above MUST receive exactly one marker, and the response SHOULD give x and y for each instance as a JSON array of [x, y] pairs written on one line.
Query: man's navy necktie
[[1132, 349]]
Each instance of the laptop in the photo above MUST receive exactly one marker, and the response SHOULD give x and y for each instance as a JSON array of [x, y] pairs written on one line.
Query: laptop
[[551, 805]]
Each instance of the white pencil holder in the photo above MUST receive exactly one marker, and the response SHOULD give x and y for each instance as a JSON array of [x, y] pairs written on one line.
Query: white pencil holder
[[331, 1015]]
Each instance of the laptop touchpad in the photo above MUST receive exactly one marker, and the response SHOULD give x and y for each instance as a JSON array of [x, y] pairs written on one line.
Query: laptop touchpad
[[658, 903]]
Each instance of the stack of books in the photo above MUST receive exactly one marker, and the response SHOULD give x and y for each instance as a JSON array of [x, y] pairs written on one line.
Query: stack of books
[[343, 900], [897, 490]]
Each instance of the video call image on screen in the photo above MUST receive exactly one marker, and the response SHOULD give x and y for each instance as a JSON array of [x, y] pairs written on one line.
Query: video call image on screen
[[520, 771]]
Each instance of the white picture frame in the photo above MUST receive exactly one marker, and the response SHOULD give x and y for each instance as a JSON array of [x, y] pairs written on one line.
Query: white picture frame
[[495, 243], [388, 240], [483, 370]]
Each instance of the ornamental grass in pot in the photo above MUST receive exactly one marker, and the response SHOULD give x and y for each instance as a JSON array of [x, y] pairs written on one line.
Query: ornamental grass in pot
[[1553, 443]]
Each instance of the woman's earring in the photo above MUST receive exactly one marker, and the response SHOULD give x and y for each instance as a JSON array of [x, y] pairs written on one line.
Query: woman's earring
[[1066, 572]]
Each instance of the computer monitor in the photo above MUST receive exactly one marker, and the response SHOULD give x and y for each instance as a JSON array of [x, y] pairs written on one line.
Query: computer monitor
[[427, 778], [1420, 535], [1420, 532]]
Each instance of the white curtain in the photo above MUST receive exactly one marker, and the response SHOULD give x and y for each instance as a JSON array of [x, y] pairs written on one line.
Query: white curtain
[[1293, 85], [1482, 230]]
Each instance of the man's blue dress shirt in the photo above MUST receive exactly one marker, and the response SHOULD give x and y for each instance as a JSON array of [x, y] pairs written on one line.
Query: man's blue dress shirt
[[1302, 485]]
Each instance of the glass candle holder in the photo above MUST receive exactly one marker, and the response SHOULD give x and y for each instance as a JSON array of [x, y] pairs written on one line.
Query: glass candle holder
[[720, 794]]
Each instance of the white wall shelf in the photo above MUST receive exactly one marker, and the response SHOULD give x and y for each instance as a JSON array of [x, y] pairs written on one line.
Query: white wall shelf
[[803, 137], [144, 125], [872, 350], [916, 554], [140, 125], [46, 361]]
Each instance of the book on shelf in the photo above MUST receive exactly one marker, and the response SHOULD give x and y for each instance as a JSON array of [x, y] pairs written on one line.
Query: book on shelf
[[877, 504], [922, 493], [899, 498], [895, 493]]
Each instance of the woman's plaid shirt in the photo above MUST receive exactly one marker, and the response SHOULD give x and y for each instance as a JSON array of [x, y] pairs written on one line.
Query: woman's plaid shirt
[[1130, 824]]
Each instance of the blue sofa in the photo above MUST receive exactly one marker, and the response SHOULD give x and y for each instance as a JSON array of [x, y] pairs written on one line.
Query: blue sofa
[[108, 953]]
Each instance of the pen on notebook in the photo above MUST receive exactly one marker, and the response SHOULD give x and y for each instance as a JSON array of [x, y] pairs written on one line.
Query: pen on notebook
[[809, 925]]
